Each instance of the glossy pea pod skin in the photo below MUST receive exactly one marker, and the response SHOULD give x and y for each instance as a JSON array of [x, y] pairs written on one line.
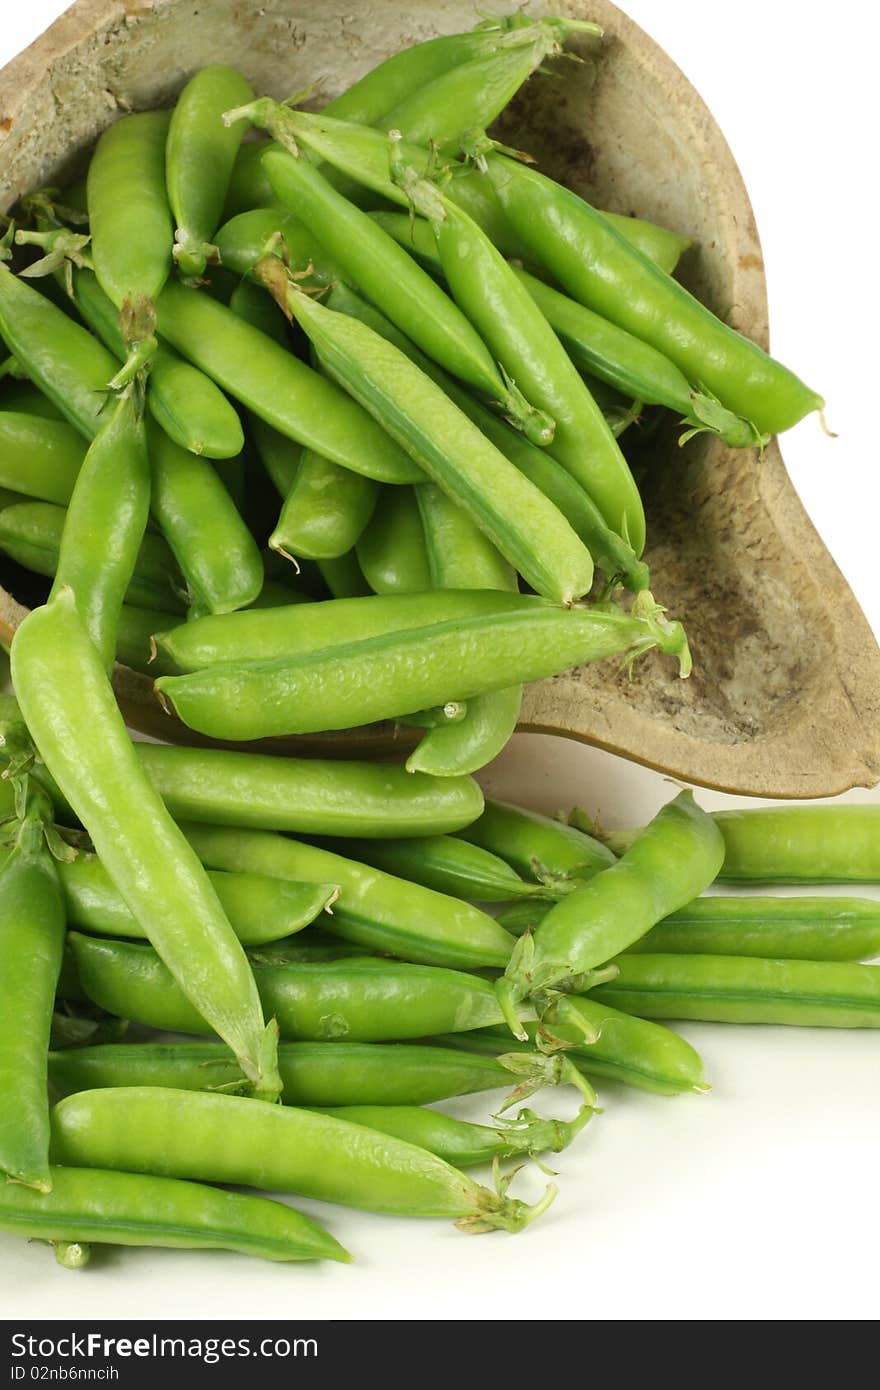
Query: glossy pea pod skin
[[537, 846], [739, 989], [199, 154], [275, 385], [325, 511], [61, 357], [449, 865], [375, 910], [105, 523], [354, 999], [31, 532], [801, 844], [517, 518], [261, 636], [308, 796], [602, 270], [674, 859], [399, 673], [845, 929], [457, 1141], [460, 556], [182, 400], [39, 458], [216, 553], [72, 715], [31, 944], [613, 556], [374, 263], [391, 551], [259, 909], [129, 217], [312, 1073], [111, 1208], [180, 1133]]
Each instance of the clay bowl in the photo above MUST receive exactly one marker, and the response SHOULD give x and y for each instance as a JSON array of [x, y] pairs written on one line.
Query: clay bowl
[[784, 696]]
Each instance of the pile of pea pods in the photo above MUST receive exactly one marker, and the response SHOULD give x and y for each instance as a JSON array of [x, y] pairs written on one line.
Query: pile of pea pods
[[323, 429]]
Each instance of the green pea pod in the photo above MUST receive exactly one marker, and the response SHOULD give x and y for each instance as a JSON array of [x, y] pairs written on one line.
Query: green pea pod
[[391, 551], [616, 559], [70, 366], [600, 348], [275, 1147], [25, 399], [353, 999], [598, 267], [374, 909], [662, 246], [261, 636], [249, 186], [135, 647], [259, 909], [31, 945], [383, 677], [31, 532], [182, 400], [343, 577], [72, 714], [129, 218], [110, 1208], [199, 155], [105, 523], [279, 388], [325, 510], [38, 457], [217, 555], [243, 239], [739, 989], [312, 1073], [280, 456], [674, 859], [537, 847], [308, 796], [458, 1142], [782, 928], [801, 844], [459, 555], [449, 865], [374, 262], [526, 528]]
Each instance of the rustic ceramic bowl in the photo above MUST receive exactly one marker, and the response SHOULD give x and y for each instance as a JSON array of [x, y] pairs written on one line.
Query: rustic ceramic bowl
[[784, 696]]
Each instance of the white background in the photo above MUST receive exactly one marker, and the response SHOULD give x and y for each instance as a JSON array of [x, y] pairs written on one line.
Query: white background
[[759, 1200]]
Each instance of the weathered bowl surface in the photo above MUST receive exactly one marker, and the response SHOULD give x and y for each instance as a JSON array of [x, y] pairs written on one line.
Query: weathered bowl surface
[[784, 696]]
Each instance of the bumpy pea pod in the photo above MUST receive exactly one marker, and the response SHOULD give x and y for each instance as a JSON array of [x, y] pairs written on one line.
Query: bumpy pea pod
[[31, 533], [259, 636], [674, 859], [782, 928], [603, 1043], [199, 154], [61, 357], [105, 523], [602, 349], [352, 999], [259, 908], [460, 556], [451, 865], [598, 267], [275, 385], [526, 528], [325, 510], [391, 552], [614, 557], [111, 1208], [217, 555], [39, 458], [374, 262], [376, 910], [738, 989], [31, 945], [185, 1133], [384, 677], [459, 1142], [72, 715]]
